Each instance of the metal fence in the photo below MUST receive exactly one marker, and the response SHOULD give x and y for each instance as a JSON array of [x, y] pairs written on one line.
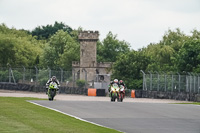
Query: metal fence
[[174, 82], [38, 77], [33, 76]]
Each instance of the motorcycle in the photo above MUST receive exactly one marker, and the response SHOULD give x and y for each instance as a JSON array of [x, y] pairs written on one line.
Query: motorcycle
[[114, 92], [121, 93], [53, 88]]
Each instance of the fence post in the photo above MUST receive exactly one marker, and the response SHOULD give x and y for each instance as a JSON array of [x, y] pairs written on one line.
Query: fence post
[[172, 83], [24, 74], [36, 72], [73, 73], [36, 76], [150, 80], [186, 81], [194, 86], [144, 80], [197, 83], [9, 74], [190, 85], [85, 76], [179, 82], [61, 75], [158, 81], [49, 72], [165, 81]]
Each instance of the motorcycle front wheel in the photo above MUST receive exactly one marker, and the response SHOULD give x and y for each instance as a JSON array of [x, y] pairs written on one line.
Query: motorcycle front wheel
[[113, 97], [52, 94]]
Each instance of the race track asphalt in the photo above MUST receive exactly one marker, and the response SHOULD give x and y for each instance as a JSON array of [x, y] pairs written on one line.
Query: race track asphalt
[[133, 117]]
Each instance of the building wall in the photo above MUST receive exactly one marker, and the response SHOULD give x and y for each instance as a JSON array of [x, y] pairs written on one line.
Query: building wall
[[88, 54]]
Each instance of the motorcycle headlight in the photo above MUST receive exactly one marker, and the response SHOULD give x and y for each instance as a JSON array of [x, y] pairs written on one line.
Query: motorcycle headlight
[[112, 89]]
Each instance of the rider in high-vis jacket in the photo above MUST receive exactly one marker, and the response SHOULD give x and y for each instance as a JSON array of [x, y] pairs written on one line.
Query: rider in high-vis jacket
[[113, 82], [53, 79]]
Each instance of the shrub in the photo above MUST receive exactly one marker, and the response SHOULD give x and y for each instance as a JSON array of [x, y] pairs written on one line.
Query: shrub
[[81, 83]]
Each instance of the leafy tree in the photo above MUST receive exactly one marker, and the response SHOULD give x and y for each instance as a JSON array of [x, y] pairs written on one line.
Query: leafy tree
[[164, 54], [44, 32], [61, 51], [49, 57], [110, 48], [161, 57], [174, 39], [128, 66], [195, 35], [189, 57], [18, 48]]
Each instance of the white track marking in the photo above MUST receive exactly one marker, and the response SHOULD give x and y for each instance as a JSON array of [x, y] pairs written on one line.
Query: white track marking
[[70, 115]]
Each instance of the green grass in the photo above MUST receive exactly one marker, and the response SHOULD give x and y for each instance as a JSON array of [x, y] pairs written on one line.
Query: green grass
[[19, 116], [195, 103]]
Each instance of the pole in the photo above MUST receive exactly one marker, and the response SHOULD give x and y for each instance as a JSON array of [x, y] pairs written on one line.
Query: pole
[[144, 80]]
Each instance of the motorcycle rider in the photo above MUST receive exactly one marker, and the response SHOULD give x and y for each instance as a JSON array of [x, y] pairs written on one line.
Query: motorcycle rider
[[121, 82], [115, 81], [53, 79]]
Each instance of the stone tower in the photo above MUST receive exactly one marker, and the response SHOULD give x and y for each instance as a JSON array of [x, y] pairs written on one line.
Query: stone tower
[[88, 40], [88, 68]]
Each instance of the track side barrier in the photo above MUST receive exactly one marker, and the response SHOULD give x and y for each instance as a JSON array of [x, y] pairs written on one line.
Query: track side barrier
[[92, 92]]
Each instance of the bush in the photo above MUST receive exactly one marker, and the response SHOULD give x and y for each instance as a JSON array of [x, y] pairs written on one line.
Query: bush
[[81, 83]]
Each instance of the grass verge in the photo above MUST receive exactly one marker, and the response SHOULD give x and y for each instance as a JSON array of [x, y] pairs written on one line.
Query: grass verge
[[19, 116], [195, 103]]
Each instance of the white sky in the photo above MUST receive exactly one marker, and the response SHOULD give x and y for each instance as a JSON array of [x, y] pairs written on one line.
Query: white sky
[[139, 22]]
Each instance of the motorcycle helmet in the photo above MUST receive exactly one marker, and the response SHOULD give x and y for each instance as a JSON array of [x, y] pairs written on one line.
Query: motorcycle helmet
[[115, 80], [54, 78]]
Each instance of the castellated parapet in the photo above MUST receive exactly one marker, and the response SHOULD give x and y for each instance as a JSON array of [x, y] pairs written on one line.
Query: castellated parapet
[[88, 36]]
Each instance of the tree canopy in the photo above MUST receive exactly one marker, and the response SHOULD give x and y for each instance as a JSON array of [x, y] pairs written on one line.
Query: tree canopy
[[44, 32], [18, 48], [110, 48], [61, 50]]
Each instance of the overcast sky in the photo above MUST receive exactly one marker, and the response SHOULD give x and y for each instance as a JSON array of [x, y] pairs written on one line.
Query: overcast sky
[[139, 22]]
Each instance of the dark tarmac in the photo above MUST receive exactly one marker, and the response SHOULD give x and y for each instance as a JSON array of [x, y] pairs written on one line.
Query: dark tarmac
[[133, 117]]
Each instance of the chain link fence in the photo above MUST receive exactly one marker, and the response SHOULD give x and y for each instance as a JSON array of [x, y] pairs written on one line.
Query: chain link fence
[[189, 82], [34, 76], [171, 86], [34, 79]]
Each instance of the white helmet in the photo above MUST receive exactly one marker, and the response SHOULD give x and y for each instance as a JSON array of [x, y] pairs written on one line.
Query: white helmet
[[115, 80]]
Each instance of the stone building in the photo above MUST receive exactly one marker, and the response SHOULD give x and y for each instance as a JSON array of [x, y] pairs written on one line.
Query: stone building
[[88, 69]]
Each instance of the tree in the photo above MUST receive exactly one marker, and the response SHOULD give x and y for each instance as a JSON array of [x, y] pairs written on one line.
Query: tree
[[161, 57], [128, 66], [174, 39], [18, 48], [61, 50], [110, 48], [44, 32], [189, 57]]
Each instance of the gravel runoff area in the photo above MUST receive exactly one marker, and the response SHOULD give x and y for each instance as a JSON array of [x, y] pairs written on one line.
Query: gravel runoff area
[[70, 97]]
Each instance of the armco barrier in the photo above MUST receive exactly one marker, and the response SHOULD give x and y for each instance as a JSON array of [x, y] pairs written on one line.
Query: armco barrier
[[92, 92]]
